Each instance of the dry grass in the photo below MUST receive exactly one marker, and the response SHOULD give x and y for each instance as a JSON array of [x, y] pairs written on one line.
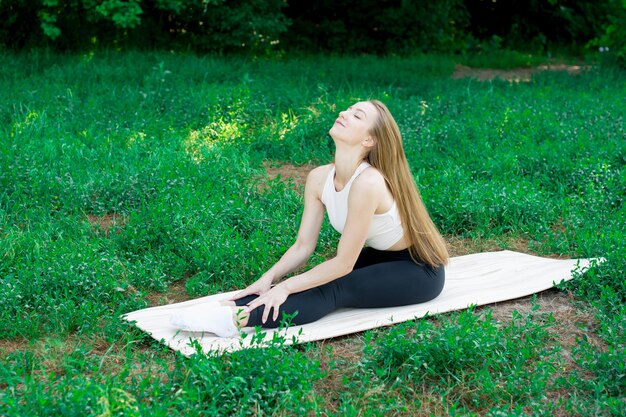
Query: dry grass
[[513, 75], [13, 345], [338, 358], [460, 247], [104, 224], [176, 293], [289, 173]]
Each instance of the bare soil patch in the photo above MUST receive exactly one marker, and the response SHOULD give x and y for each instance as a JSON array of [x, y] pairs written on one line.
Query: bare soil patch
[[9, 346], [460, 247], [176, 293], [289, 172], [338, 357], [513, 75], [570, 323], [104, 224]]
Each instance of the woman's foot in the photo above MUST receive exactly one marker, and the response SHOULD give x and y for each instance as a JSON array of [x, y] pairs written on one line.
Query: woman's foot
[[209, 317]]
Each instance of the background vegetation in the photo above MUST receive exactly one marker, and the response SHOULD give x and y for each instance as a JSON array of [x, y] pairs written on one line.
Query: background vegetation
[[545, 27], [131, 178], [136, 138]]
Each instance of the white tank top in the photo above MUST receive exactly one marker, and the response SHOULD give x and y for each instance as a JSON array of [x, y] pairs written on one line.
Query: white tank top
[[385, 230]]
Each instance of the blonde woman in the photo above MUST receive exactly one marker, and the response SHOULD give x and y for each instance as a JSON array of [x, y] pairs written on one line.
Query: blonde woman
[[389, 254]]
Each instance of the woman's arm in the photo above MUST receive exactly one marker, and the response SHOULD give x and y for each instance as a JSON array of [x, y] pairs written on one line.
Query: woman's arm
[[310, 225], [306, 241], [365, 194]]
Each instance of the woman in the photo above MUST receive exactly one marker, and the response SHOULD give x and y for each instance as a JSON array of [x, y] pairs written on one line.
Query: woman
[[389, 254]]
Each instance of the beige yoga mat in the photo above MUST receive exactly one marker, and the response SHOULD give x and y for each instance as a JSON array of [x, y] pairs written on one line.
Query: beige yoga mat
[[476, 279]]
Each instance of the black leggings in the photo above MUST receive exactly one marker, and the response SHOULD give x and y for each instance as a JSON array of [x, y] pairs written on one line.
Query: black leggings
[[379, 279]]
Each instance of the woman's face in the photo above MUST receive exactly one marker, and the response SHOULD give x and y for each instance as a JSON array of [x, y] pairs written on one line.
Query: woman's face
[[354, 124]]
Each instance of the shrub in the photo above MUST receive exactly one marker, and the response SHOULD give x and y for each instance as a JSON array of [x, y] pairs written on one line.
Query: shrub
[[612, 41], [372, 26], [204, 25]]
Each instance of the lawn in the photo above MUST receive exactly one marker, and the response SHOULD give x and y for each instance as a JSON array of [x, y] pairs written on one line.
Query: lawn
[[131, 179]]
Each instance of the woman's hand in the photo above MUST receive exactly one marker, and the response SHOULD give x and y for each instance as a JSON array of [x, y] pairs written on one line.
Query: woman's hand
[[273, 298], [259, 287]]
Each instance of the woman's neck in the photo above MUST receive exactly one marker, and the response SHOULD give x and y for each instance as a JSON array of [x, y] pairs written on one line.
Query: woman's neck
[[346, 162]]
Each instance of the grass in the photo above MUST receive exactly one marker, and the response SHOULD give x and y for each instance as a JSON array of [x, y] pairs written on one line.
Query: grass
[[131, 178]]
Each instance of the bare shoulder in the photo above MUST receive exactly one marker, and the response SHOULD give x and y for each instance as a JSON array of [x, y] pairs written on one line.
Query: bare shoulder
[[370, 179], [317, 177], [321, 170]]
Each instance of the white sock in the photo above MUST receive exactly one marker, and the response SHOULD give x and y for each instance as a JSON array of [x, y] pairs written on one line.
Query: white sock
[[213, 318]]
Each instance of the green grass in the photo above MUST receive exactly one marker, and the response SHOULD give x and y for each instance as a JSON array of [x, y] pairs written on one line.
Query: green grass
[[172, 146]]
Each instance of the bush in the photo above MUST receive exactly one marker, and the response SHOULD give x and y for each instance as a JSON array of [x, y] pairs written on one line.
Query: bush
[[538, 25], [342, 26], [203, 25], [613, 38], [347, 26]]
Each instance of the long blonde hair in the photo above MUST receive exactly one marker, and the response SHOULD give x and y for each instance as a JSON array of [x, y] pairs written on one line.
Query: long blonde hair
[[387, 155]]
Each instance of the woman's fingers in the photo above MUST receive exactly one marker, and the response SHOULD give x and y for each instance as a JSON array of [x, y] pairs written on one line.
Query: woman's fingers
[[272, 300], [239, 295], [255, 303], [266, 312], [261, 302], [251, 289]]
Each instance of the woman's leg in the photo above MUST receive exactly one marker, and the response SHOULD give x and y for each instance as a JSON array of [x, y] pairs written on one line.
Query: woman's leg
[[367, 257], [384, 284]]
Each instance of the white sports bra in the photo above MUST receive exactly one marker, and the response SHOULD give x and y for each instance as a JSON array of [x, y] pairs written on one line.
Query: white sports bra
[[385, 230]]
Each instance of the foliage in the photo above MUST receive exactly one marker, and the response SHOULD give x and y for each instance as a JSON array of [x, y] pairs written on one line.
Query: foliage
[[130, 179], [474, 361], [202, 25], [276, 378], [262, 27], [349, 26], [612, 42], [538, 25], [251, 382]]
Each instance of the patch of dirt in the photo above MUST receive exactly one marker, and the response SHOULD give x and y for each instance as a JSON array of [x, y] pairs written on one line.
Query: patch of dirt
[[176, 293], [513, 75], [289, 172], [570, 323], [103, 224], [460, 247], [338, 357], [9, 346]]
